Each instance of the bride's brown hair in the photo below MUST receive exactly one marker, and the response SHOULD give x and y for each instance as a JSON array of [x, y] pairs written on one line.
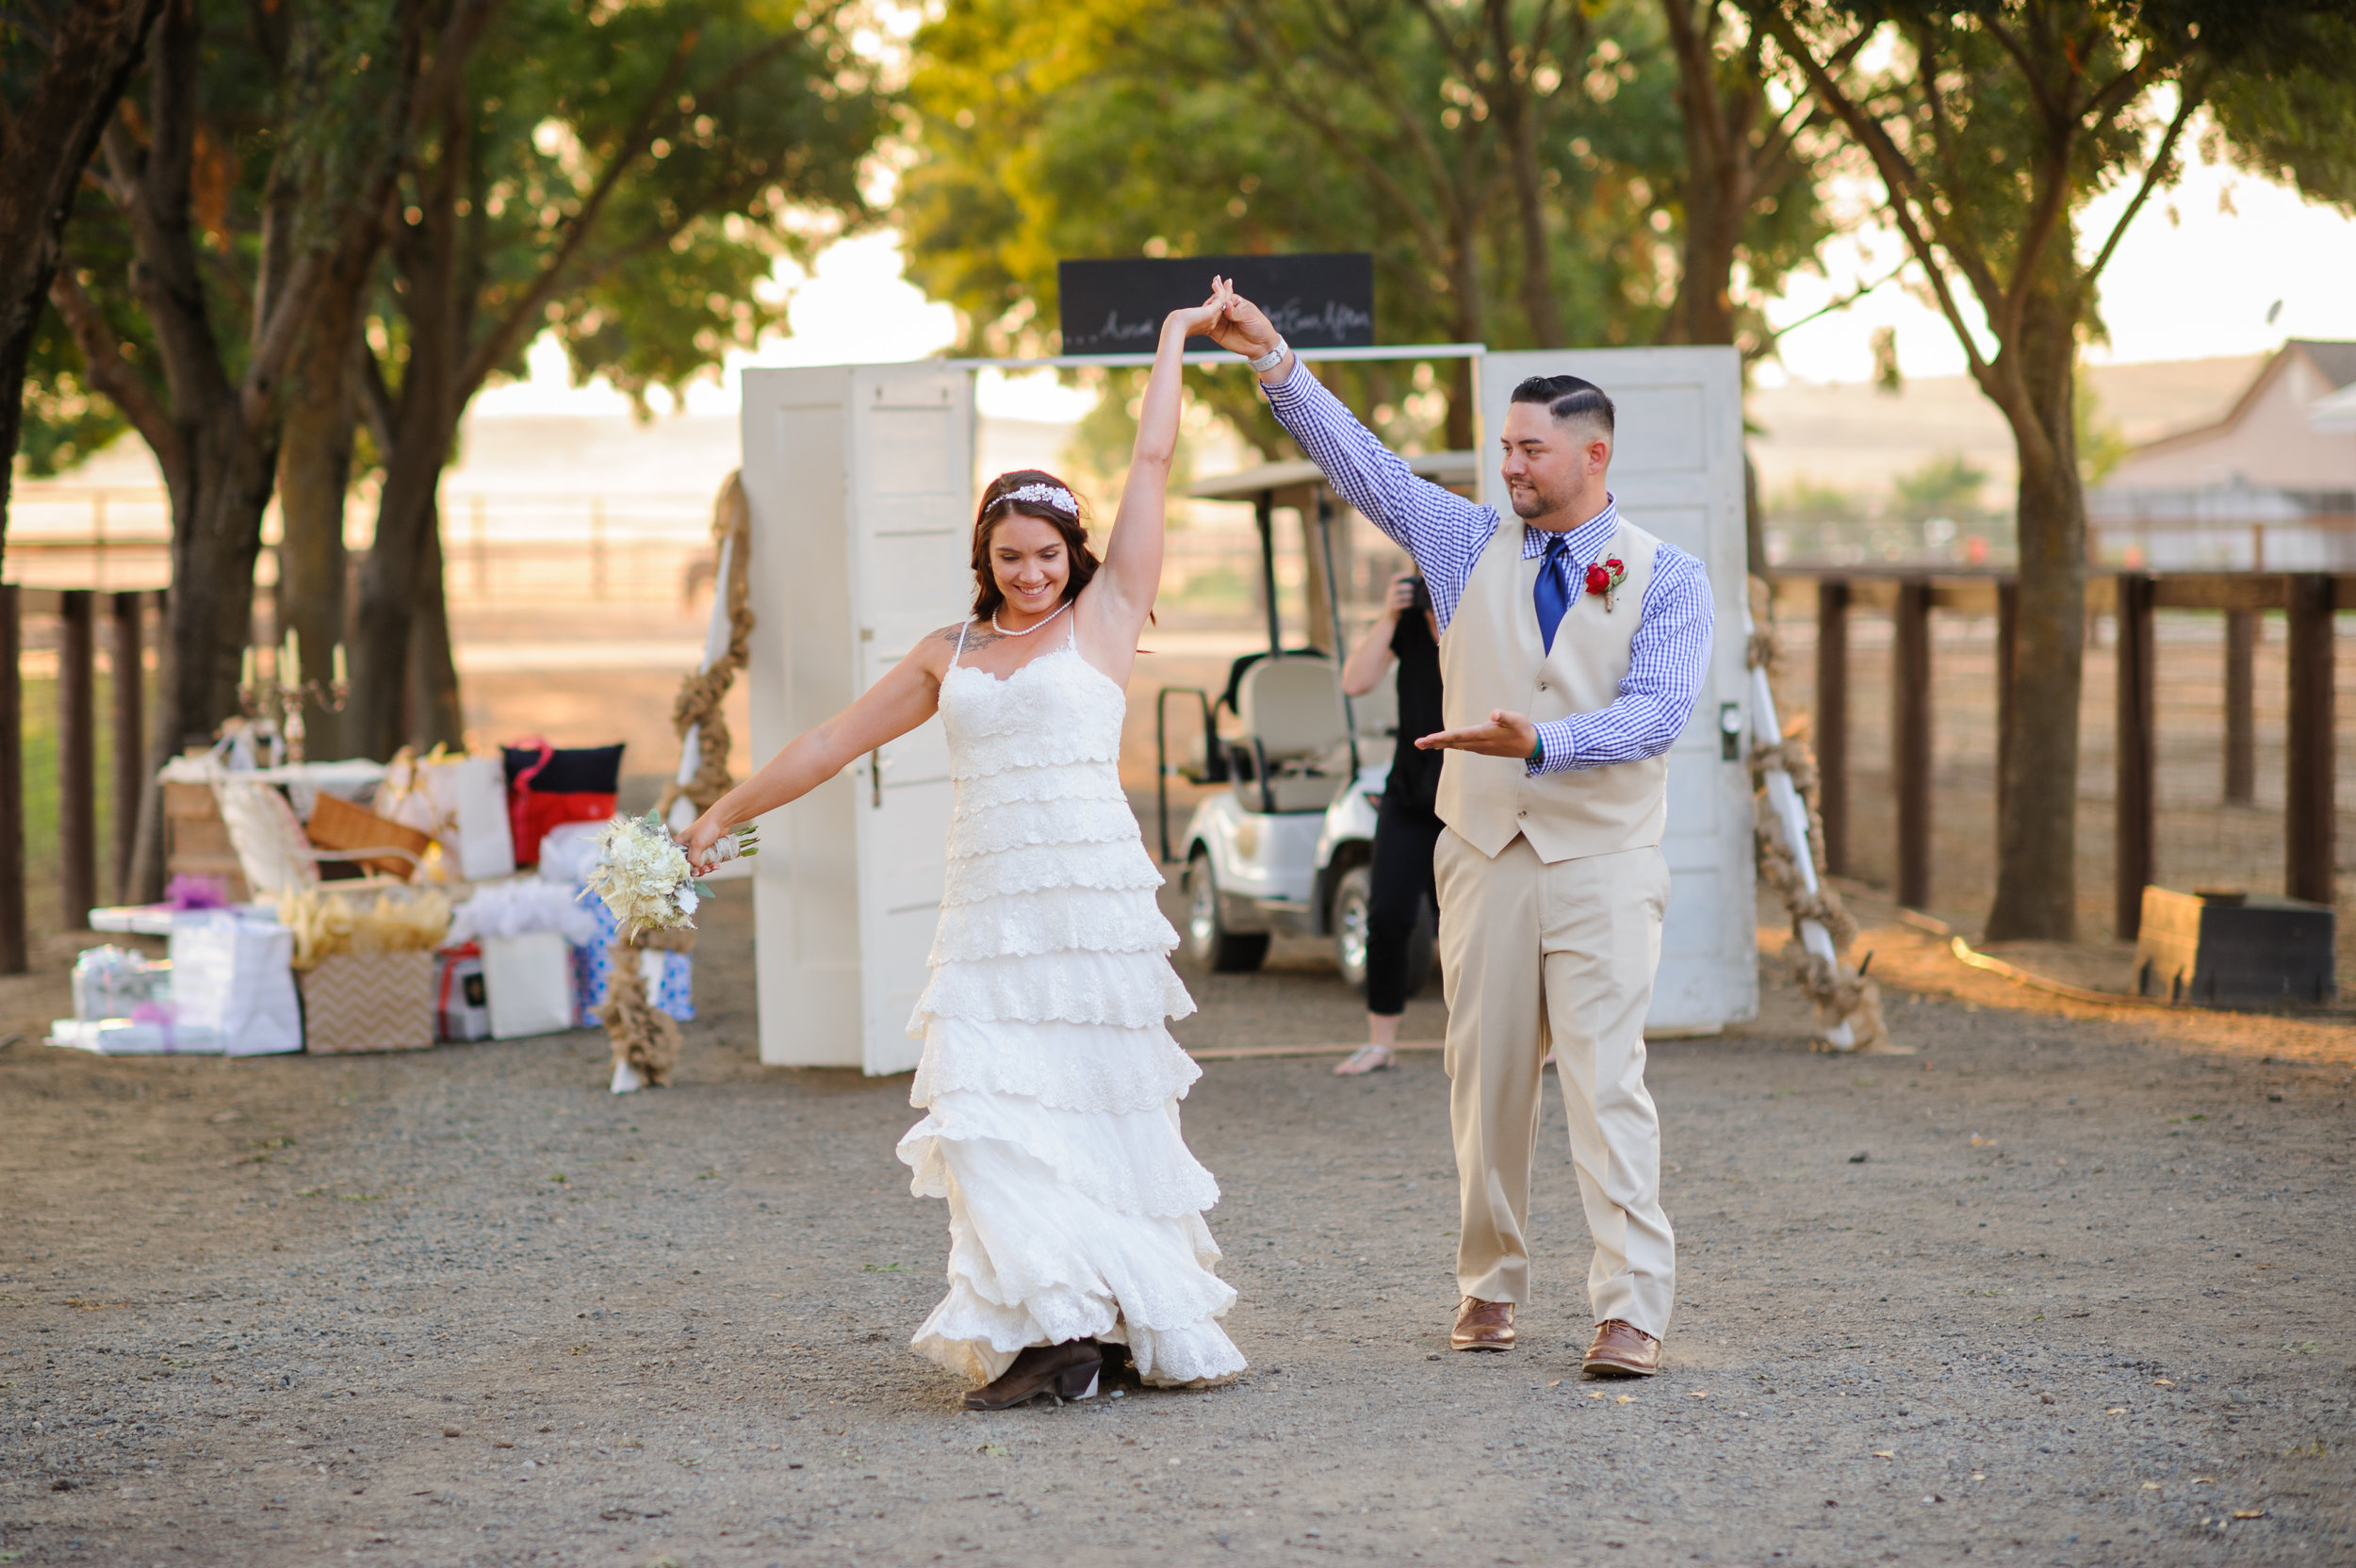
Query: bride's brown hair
[[999, 501]]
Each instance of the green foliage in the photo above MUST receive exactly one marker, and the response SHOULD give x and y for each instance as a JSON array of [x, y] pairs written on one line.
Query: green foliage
[[244, 90], [1813, 500], [738, 128], [65, 418], [2100, 441], [1947, 486], [1118, 127], [2295, 121]]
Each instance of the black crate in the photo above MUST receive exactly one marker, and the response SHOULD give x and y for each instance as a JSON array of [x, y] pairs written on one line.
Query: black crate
[[2234, 949]]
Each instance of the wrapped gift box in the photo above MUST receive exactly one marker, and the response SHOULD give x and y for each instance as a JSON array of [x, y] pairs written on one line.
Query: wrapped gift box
[[230, 973], [157, 1033], [115, 982], [593, 970], [369, 1001]]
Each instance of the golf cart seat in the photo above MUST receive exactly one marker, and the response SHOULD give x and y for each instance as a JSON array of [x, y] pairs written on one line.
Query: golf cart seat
[[1292, 727]]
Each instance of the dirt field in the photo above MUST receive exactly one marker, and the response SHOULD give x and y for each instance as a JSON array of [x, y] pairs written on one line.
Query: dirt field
[[2065, 1287]]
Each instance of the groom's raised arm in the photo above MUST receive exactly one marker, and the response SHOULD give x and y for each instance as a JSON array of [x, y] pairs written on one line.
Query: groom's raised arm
[[1440, 529]]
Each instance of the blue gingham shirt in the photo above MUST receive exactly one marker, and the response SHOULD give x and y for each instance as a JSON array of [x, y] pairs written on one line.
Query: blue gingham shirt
[[1445, 534]]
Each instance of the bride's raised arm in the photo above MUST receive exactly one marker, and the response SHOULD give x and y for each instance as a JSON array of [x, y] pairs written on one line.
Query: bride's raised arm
[[1131, 573]]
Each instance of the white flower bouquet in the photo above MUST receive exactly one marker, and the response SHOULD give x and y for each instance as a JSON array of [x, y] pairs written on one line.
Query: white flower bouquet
[[643, 877]]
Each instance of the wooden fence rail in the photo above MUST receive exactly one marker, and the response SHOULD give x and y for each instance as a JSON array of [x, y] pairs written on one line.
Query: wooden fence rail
[[1909, 596]]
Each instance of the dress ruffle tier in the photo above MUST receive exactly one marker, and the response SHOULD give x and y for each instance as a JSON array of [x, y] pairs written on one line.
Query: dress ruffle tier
[[1049, 1078]]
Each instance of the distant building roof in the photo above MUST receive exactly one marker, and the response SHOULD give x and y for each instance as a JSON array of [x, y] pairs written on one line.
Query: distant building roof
[[2337, 361], [2269, 440]]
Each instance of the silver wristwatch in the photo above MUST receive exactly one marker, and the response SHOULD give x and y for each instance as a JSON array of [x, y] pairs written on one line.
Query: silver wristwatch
[[1271, 359]]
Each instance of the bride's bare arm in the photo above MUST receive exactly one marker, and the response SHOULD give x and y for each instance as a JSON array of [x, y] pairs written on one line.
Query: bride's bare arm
[[1131, 573], [889, 708]]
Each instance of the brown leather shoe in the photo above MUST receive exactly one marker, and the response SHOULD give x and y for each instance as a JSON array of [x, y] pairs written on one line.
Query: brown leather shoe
[[1622, 1350], [1058, 1372], [1483, 1326]]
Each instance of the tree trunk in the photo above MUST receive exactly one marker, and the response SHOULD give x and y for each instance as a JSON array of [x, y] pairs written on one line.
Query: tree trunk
[[435, 715], [392, 577], [217, 538], [436, 304], [2036, 883], [47, 141], [314, 474], [1717, 185]]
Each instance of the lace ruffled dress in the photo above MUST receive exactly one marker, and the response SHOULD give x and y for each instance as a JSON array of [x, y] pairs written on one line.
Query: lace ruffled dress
[[1049, 1079]]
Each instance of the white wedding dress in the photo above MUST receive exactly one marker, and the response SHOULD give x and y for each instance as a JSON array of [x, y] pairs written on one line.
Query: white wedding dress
[[1050, 1083]]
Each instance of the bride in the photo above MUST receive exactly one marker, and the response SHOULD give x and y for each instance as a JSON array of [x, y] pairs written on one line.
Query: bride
[[1050, 1083]]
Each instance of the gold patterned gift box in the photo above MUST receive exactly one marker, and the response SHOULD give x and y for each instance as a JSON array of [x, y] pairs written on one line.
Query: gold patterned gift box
[[369, 1001]]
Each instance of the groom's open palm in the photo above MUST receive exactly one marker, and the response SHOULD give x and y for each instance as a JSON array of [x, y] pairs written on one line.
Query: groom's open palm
[[1505, 735]]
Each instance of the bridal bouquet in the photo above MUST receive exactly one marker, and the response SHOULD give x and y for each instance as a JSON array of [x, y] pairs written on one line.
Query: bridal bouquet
[[643, 877]]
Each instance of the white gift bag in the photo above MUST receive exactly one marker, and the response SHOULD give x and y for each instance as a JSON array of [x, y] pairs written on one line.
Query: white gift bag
[[231, 973], [529, 982], [463, 802]]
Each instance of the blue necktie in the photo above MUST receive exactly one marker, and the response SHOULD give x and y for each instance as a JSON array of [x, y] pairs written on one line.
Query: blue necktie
[[1553, 597]]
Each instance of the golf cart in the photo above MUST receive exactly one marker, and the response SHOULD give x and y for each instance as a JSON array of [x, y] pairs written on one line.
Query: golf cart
[[1287, 844]]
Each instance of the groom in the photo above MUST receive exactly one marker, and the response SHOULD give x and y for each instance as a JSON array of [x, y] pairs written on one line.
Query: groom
[[1572, 645]]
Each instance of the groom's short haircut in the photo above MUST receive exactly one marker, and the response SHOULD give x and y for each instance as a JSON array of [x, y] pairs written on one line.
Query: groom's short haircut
[[1569, 398]]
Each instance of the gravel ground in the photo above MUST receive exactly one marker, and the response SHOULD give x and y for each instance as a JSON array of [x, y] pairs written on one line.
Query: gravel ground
[[2056, 1289]]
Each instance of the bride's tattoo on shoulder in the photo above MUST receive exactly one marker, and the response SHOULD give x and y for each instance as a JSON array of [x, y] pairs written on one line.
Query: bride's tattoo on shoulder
[[976, 636]]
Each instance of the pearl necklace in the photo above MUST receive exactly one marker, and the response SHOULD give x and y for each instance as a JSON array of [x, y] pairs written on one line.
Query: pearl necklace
[[1028, 629]]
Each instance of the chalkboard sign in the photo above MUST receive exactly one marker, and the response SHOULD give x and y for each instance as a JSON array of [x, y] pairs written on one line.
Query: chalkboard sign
[[1115, 307]]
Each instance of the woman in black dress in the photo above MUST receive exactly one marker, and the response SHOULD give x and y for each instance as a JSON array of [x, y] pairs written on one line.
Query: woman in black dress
[[1406, 828]]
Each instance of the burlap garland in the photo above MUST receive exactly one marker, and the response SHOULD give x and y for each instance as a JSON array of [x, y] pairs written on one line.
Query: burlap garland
[[644, 1038], [701, 692], [1840, 994]]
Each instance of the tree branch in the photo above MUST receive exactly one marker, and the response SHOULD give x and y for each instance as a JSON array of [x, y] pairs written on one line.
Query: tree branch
[[503, 337], [113, 374], [376, 398], [1898, 175], [2191, 92], [1841, 302]]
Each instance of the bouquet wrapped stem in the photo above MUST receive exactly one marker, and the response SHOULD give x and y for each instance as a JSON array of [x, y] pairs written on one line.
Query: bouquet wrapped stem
[[645, 878]]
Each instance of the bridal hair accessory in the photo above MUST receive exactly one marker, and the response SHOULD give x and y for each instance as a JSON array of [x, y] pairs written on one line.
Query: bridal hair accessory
[[645, 876], [1043, 495]]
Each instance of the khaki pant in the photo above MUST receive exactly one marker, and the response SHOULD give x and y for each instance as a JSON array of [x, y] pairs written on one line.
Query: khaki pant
[[1563, 954]]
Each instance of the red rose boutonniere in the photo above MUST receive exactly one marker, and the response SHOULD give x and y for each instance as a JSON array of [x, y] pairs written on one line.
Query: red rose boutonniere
[[1605, 577]]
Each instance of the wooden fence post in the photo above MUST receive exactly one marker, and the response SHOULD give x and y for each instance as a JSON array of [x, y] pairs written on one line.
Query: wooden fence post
[[2008, 639], [1832, 720], [2137, 756], [78, 761], [12, 949], [2241, 691], [126, 652], [2307, 846], [1910, 738]]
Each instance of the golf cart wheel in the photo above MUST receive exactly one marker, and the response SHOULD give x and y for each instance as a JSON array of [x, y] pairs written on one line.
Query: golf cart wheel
[[1354, 899], [1208, 941]]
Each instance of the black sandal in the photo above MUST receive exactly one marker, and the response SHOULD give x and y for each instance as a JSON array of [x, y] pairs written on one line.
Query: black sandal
[[1059, 1372]]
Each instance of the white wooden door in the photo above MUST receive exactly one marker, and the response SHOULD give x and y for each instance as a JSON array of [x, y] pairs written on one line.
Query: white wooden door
[[860, 485], [1676, 469], [911, 574]]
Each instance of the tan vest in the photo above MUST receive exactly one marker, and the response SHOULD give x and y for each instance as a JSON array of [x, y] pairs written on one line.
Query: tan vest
[[1490, 658]]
